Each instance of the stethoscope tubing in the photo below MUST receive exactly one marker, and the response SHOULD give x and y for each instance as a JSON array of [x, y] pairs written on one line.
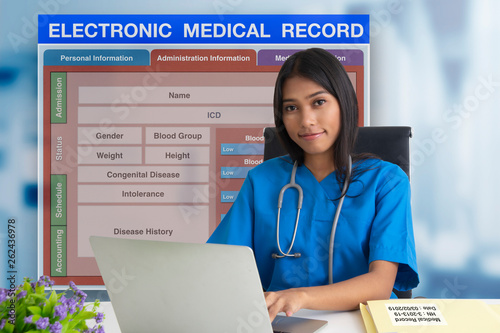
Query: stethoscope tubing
[[293, 184], [296, 186], [336, 220]]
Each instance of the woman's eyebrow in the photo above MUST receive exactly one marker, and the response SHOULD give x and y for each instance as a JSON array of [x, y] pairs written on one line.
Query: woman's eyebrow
[[317, 93], [308, 97]]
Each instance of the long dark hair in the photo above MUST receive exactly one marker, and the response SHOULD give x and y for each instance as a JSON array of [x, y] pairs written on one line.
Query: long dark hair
[[326, 70]]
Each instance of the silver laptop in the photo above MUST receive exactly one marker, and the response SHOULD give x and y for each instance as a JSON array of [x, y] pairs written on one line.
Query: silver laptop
[[182, 287]]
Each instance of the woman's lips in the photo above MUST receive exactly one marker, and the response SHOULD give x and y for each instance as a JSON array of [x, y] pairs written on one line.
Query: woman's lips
[[310, 136]]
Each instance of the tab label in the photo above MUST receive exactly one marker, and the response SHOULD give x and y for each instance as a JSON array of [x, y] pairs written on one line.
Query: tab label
[[58, 251], [58, 199], [58, 98]]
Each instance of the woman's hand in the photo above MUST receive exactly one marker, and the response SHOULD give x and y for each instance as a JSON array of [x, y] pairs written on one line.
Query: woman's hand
[[288, 301], [340, 296]]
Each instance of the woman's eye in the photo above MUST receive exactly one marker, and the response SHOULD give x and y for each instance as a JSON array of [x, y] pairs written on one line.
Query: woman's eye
[[320, 102], [290, 108]]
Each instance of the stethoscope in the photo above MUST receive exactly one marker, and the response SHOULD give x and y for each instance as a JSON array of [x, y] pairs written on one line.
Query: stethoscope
[[296, 186]]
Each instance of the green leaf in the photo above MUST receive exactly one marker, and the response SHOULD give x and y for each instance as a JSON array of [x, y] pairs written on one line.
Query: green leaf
[[8, 328], [20, 315], [66, 320], [20, 309], [40, 289], [82, 326], [71, 325], [49, 306], [84, 315], [36, 310], [27, 286], [37, 297], [53, 298]]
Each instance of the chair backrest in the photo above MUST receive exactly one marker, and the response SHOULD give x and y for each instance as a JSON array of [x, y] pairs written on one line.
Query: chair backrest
[[390, 143]]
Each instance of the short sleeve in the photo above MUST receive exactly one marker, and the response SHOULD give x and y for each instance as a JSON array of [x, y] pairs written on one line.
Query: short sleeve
[[391, 237], [237, 225]]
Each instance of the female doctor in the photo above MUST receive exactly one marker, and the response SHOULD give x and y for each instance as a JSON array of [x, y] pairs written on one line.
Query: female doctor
[[315, 111]]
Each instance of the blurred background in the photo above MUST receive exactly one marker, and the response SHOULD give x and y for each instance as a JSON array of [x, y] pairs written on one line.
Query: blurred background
[[434, 66]]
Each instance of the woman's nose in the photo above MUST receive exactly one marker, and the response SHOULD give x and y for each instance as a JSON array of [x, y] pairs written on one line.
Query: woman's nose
[[308, 117]]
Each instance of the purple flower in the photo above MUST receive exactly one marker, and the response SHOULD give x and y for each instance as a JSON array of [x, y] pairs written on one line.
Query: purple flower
[[99, 317], [95, 329], [61, 311], [73, 286], [41, 281], [44, 280], [2, 324], [81, 294], [22, 294], [71, 304], [28, 320], [55, 327], [3, 294], [42, 323]]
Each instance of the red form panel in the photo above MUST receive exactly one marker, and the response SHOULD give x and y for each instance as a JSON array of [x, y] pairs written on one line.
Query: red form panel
[[149, 152]]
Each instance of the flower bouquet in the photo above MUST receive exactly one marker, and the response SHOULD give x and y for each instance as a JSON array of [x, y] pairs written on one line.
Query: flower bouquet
[[30, 308]]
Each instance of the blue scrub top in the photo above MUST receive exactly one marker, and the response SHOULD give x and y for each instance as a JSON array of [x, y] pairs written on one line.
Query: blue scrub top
[[375, 224]]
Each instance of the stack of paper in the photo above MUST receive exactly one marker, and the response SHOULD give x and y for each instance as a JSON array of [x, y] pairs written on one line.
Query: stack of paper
[[430, 315]]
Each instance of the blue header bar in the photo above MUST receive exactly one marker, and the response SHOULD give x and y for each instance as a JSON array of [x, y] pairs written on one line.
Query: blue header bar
[[203, 29]]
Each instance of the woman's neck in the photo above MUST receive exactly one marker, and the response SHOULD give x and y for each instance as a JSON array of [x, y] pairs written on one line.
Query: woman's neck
[[320, 165]]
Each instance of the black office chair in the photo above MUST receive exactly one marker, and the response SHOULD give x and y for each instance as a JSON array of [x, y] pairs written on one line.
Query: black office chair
[[391, 144]]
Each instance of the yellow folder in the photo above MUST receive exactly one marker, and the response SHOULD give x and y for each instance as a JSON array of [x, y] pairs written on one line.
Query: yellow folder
[[429, 316]]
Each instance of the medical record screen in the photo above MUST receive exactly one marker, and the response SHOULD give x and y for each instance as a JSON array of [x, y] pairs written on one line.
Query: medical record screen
[[149, 124]]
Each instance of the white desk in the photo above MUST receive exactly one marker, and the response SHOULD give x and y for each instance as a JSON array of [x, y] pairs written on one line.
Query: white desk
[[349, 321], [337, 321]]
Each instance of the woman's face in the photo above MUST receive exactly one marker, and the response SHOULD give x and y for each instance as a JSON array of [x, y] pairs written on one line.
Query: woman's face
[[311, 116]]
